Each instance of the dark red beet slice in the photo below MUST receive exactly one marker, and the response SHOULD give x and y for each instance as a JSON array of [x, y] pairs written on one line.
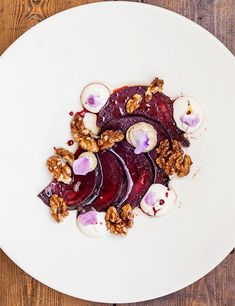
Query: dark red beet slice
[[82, 190], [115, 183], [140, 168], [160, 108], [123, 123]]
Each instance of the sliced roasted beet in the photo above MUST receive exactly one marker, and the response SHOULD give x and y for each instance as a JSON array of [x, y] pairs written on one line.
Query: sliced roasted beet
[[141, 171], [115, 183], [80, 192], [115, 106], [160, 108], [123, 123]]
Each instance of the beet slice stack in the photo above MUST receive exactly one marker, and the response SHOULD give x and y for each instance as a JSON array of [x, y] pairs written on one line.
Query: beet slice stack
[[121, 176], [79, 193], [160, 108]]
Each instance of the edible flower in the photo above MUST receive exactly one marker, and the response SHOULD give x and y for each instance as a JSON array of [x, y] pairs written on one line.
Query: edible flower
[[81, 166]]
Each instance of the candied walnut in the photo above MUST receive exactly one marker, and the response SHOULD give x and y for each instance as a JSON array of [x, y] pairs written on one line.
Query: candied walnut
[[114, 222], [184, 168], [127, 215], [172, 159], [59, 168], [156, 86], [88, 143], [83, 136], [133, 103], [59, 208], [78, 127], [119, 224], [66, 155], [109, 138]]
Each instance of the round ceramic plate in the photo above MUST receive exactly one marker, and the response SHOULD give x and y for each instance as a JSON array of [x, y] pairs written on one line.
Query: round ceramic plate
[[41, 77]]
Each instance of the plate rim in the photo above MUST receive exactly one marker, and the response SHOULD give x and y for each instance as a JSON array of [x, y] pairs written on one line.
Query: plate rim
[[107, 4]]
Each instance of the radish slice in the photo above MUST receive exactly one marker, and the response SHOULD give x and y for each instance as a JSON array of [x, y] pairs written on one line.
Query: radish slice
[[94, 96], [188, 114], [89, 121], [142, 136]]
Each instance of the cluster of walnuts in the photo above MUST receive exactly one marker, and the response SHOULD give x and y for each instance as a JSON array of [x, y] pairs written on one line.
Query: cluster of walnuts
[[59, 165], [88, 141], [171, 158], [118, 224]]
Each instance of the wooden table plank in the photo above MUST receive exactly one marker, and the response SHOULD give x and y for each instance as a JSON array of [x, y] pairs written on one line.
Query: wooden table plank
[[19, 289], [216, 16], [19, 16], [217, 289]]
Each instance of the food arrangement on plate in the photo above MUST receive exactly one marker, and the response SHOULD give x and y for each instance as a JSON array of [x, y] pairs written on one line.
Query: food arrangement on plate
[[130, 144]]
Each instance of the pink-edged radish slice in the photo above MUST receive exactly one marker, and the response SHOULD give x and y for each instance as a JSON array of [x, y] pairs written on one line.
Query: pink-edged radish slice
[[94, 96]]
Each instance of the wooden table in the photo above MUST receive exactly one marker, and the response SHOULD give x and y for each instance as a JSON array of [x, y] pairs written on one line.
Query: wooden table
[[19, 289]]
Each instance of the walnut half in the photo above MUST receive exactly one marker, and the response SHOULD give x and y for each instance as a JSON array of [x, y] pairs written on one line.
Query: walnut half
[[61, 172], [133, 103], [172, 159], [156, 86], [59, 209], [119, 224], [83, 136], [109, 138], [66, 155]]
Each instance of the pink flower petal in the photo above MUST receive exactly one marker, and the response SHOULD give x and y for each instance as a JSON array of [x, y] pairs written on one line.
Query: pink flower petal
[[149, 198], [141, 141], [81, 166], [190, 120], [93, 101], [88, 218]]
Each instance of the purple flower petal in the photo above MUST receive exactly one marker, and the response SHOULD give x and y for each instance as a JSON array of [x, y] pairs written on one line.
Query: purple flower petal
[[141, 141], [88, 218], [93, 101], [149, 198], [190, 120], [81, 166]]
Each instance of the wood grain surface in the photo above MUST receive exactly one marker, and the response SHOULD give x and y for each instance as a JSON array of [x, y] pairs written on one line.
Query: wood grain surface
[[19, 289]]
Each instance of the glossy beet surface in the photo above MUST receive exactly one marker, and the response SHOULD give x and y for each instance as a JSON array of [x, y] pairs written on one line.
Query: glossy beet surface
[[121, 176], [114, 184], [159, 108], [123, 123], [80, 192], [142, 172]]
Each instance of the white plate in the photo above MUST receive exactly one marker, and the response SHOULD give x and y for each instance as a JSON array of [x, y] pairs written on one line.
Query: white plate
[[41, 77]]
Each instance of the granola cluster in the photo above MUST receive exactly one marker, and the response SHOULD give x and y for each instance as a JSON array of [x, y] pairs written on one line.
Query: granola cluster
[[172, 159], [59, 209], [118, 224], [133, 103], [156, 86], [59, 165]]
